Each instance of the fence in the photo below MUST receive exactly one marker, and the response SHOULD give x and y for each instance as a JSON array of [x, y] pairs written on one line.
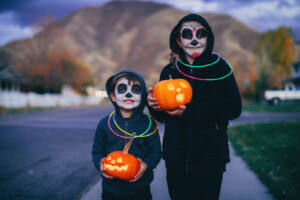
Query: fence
[[17, 99]]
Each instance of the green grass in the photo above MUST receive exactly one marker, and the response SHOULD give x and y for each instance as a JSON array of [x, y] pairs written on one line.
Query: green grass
[[272, 151], [264, 107]]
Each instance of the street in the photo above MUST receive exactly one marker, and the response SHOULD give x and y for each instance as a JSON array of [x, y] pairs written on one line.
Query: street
[[47, 155]]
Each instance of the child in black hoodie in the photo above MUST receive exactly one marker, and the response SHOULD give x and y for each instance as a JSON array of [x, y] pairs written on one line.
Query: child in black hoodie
[[127, 92], [195, 144]]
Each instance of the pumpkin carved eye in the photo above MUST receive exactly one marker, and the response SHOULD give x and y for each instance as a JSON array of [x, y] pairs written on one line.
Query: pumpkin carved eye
[[171, 87], [183, 85], [172, 93], [113, 162], [119, 160]]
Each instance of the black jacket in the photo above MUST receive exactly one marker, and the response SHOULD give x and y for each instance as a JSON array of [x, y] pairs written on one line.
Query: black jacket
[[197, 140], [148, 148]]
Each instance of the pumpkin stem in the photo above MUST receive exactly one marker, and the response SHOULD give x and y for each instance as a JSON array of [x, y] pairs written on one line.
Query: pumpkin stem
[[170, 77], [127, 146]]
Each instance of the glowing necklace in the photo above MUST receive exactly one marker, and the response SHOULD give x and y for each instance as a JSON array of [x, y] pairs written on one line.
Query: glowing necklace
[[130, 135], [197, 66], [206, 79]]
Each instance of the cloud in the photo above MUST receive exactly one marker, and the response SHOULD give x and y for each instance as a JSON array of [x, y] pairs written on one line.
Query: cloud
[[265, 15], [259, 14], [266, 8], [10, 29], [193, 5], [16, 16]]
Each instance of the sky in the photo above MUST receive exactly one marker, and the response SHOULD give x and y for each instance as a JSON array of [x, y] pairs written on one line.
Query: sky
[[17, 17]]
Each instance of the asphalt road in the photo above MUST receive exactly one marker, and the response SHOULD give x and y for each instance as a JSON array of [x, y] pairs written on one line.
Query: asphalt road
[[47, 155]]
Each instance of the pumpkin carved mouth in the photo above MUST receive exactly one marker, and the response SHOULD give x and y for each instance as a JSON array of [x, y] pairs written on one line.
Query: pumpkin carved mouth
[[116, 167], [114, 164]]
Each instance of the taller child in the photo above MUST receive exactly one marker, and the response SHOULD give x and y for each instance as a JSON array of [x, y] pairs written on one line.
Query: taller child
[[195, 143]]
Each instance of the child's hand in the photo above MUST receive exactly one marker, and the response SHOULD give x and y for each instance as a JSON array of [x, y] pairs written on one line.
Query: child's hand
[[143, 167], [102, 170], [178, 111], [152, 102]]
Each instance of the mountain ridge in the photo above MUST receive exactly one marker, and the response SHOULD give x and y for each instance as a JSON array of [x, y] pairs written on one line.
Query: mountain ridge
[[130, 35]]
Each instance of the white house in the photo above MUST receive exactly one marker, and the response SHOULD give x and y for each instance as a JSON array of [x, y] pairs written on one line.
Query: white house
[[293, 83], [12, 97], [9, 78]]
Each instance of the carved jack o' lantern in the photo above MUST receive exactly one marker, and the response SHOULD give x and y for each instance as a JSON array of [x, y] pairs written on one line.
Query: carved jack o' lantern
[[172, 93], [121, 164]]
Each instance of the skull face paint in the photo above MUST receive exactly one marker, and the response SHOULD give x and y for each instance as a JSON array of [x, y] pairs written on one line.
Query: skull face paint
[[193, 38], [127, 94]]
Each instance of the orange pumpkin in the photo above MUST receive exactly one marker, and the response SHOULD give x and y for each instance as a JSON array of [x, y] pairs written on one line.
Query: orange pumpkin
[[172, 93], [121, 165]]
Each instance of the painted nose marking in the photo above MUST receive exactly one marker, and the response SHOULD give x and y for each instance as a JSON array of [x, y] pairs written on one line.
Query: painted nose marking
[[128, 95]]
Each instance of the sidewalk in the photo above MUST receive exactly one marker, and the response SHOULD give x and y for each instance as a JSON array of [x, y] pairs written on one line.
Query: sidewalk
[[239, 183]]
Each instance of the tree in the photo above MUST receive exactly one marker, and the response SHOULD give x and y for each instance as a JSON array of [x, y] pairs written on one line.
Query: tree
[[275, 54], [58, 69]]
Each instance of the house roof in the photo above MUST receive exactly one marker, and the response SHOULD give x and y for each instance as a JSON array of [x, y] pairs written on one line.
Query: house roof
[[7, 73]]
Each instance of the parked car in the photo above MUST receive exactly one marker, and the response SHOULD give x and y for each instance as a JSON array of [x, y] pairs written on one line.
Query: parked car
[[290, 93]]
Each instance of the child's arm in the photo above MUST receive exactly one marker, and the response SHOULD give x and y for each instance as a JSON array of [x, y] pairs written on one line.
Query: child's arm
[[152, 103], [154, 148], [153, 158], [98, 150]]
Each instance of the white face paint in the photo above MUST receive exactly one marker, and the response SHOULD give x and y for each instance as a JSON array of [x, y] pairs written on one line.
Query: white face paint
[[193, 38], [127, 96]]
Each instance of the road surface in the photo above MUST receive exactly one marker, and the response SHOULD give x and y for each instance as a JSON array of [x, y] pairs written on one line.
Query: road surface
[[47, 155]]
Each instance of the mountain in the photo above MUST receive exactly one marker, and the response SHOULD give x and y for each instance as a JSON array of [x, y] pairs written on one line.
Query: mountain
[[129, 35]]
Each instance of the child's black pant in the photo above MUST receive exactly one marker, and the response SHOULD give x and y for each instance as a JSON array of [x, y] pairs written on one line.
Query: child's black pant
[[141, 194], [194, 186]]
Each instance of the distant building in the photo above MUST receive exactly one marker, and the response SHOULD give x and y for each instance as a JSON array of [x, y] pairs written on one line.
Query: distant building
[[293, 83], [9, 78]]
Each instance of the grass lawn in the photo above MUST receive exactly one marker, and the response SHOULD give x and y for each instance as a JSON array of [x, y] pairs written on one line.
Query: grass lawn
[[264, 107], [272, 151]]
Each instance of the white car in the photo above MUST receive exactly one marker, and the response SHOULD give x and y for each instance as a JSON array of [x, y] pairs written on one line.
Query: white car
[[290, 93]]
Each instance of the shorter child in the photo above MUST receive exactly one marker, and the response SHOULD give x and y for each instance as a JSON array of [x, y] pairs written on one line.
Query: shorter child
[[127, 92]]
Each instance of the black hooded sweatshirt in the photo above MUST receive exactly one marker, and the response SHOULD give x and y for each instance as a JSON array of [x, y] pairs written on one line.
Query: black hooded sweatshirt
[[197, 140], [148, 148]]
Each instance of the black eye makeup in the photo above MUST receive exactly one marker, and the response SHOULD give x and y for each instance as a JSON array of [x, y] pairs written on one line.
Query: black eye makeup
[[201, 33], [136, 89], [187, 34], [122, 88]]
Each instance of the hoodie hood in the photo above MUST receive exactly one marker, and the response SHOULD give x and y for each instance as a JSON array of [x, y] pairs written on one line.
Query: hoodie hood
[[176, 34], [109, 90]]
